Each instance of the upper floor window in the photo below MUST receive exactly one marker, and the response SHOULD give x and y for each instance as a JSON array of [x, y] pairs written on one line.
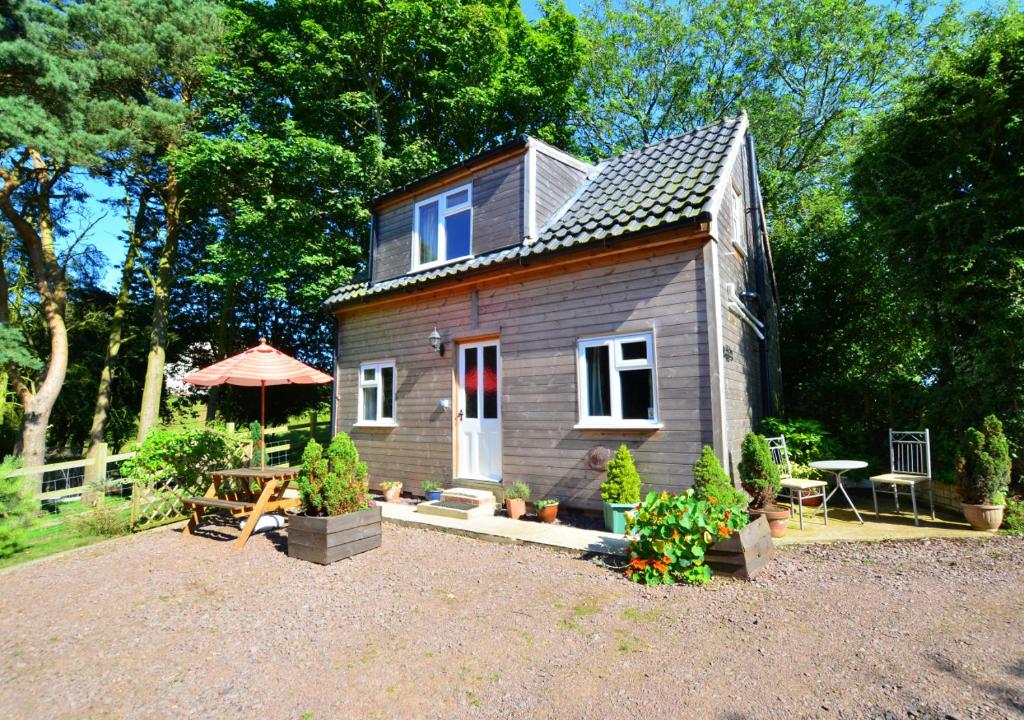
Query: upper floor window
[[617, 382], [443, 228]]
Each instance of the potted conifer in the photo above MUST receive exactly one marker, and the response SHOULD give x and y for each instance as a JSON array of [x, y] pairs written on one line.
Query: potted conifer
[[983, 472], [620, 491], [759, 476], [515, 500], [338, 518]]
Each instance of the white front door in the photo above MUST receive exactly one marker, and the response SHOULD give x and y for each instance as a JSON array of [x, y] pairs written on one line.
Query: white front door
[[478, 421]]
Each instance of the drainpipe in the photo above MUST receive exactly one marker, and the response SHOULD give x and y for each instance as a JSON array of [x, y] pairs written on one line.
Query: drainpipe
[[761, 277], [372, 247]]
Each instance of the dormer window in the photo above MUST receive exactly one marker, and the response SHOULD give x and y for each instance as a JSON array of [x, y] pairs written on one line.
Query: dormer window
[[443, 228]]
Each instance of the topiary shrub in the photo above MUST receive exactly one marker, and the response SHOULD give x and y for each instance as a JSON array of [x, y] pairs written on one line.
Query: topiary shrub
[[18, 509], [710, 481], [759, 474], [333, 482], [983, 468], [183, 458], [623, 481]]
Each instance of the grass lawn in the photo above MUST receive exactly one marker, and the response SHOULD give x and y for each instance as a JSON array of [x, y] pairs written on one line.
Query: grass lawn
[[66, 526]]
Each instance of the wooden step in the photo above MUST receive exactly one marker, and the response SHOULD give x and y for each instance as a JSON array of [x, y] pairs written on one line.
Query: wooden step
[[218, 503]]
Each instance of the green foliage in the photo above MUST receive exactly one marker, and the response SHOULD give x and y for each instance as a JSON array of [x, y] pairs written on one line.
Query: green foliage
[[622, 484], [518, 491], [1013, 520], [333, 482], [388, 484], [182, 457], [259, 451], [18, 508], [670, 535], [544, 503], [14, 353], [430, 486], [102, 519], [983, 467], [758, 471], [710, 481], [806, 440]]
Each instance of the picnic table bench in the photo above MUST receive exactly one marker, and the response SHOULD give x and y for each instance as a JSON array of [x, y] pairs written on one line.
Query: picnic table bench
[[244, 492]]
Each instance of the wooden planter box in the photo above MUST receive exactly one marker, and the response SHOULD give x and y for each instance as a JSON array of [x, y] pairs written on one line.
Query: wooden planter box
[[328, 539], [746, 553]]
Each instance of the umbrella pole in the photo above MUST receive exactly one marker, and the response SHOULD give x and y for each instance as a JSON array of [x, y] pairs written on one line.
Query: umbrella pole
[[263, 424]]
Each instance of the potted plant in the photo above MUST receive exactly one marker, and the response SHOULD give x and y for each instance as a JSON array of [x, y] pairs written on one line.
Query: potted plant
[[547, 509], [983, 472], [392, 490], [620, 491], [431, 489], [338, 518], [759, 476], [515, 500]]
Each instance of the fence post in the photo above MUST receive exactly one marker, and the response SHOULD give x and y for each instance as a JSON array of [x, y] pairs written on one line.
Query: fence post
[[312, 424], [96, 471]]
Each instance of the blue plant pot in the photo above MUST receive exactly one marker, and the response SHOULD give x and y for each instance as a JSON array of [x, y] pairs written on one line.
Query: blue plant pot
[[615, 516], [433, 495]]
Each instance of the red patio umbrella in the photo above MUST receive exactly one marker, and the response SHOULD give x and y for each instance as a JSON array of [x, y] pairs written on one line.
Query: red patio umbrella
[[261, 365]]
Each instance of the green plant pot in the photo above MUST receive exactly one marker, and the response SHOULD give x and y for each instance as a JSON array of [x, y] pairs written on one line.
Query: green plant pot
[[615, 516]]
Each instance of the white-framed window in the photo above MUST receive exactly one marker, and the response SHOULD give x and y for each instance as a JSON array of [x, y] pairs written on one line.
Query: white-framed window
[[618, 382], [739, 223], [443, 228], [377, 393]]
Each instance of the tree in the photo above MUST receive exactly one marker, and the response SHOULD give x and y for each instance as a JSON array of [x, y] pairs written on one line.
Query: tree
[[937, 189]]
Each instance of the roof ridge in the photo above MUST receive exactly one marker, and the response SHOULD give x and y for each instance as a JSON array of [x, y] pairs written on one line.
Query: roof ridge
[[736, 119]]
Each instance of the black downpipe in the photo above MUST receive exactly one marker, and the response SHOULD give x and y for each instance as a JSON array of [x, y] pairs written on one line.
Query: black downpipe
[[761, 277]]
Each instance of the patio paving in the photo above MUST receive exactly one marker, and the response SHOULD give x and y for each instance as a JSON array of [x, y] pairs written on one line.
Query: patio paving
[[842, 527]]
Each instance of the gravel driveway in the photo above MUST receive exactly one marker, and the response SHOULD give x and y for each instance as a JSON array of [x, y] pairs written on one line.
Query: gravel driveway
[[439, 626]]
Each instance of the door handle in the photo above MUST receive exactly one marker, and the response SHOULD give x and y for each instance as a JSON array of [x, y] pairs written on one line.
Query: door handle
[[460, 415]]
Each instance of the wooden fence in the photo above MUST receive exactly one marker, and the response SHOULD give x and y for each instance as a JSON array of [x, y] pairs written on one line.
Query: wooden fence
[[98, 468]]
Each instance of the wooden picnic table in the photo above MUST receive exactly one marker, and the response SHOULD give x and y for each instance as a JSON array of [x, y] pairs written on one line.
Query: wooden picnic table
[[234, 491]]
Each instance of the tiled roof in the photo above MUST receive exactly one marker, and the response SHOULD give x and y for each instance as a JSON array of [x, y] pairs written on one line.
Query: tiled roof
[[658, 185]]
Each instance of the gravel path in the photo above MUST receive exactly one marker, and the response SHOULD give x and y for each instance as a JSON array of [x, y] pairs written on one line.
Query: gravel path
[[440, 626]]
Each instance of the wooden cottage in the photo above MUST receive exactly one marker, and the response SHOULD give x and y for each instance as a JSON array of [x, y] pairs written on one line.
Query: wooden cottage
[[527, 312]]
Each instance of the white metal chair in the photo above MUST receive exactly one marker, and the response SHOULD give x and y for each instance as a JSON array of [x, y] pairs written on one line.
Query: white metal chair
[[910, 463], [798, 489]]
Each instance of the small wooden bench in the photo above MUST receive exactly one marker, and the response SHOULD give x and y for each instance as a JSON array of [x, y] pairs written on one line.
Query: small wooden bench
[[243, 501]]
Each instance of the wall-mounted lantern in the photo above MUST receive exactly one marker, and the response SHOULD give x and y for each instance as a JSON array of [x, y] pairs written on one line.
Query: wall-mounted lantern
[[436, 343]]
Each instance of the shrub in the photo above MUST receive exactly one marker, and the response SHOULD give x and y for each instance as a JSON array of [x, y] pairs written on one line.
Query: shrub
[[546, 502], [710, 481], [671, 534], [333, 482], [983, 467], [184, 458], [1013, 521], [103, 519], [518, 491], [623, 481], [430, 486], [18, 509], [807, 440], [758, 472], [259, 450]]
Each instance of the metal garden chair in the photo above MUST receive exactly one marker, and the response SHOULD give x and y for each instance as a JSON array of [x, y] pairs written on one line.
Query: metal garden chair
[[910, 462], [798, 489]]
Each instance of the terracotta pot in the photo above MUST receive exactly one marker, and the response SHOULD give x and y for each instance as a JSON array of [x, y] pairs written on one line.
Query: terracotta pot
[[515, 507], [811, 502], [548, 514], [983, 517], [393, 494], [777, 518]]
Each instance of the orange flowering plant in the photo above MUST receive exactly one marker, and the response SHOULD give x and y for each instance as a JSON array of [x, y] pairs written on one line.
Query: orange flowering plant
[[670, 534]]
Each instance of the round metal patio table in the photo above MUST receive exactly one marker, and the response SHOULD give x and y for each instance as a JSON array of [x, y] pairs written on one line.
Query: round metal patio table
[[838, 468]]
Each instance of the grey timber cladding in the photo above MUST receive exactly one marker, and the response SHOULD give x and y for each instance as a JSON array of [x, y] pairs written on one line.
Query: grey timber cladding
[[741, 364], [555, 182], [645, 189], [540, 313], [497, 218]]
